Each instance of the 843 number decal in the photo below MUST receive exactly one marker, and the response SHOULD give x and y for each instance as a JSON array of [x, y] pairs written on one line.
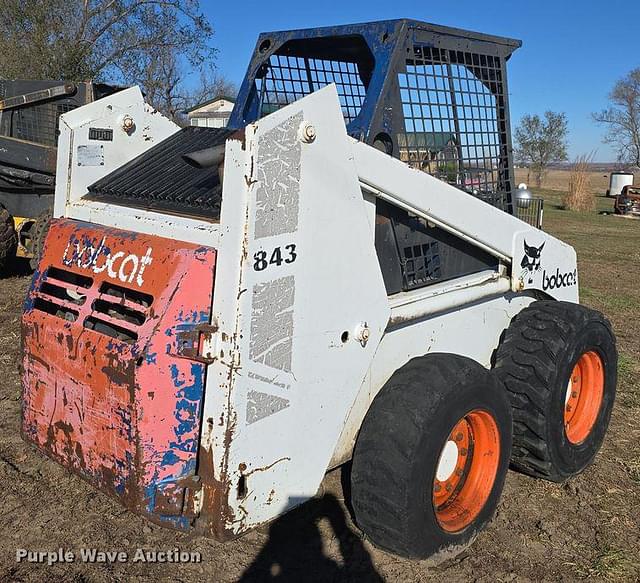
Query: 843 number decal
[[278, 257]]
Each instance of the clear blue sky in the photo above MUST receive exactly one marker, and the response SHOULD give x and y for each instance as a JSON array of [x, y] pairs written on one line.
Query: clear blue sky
[[572, 51]]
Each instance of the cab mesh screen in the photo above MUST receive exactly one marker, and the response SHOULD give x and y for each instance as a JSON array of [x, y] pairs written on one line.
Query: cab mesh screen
[[289, 78], [455, 122]]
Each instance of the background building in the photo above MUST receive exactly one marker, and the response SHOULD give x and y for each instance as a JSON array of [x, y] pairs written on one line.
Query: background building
[[213, 113]]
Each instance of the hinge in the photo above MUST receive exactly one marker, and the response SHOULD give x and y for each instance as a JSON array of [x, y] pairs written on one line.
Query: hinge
[[191, 343]]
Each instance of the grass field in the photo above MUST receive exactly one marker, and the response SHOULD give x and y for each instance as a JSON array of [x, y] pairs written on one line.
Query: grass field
[[557, 180], [585, 529]]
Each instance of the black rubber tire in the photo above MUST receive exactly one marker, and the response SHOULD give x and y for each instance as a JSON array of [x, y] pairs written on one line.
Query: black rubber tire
[[8, 238], [535, 361], [40, 230], [398, 448]]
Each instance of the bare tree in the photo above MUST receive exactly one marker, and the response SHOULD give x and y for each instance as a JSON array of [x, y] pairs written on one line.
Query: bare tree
[[154, 43], [540, 141], [211, 85], [169, 86], [36, 40], [622, 118]]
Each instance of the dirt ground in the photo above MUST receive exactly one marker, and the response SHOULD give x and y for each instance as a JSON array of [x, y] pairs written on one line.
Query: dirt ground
[[587, 528]]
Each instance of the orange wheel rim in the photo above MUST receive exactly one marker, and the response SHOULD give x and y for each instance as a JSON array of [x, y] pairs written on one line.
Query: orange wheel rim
[[466, 470], [583, 399]]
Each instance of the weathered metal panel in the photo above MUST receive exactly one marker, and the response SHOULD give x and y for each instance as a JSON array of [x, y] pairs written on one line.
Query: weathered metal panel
[[538, 260], [107, 390], [107, 117], [132, 127], [465, 321], [301, 307], [36, 157]]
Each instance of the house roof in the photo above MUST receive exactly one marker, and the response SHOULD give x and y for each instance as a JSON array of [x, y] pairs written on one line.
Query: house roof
[[432, 140], [210, 101]]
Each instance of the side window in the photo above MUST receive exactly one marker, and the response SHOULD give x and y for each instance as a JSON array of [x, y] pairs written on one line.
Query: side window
[[414, 254]]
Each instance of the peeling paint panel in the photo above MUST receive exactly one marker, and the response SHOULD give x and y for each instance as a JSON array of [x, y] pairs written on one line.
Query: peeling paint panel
[[272, 322], [278, 193], [261, 405], [107, 390], [288, 377]]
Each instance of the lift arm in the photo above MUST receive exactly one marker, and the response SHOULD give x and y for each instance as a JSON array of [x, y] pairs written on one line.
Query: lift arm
[[538, 260]]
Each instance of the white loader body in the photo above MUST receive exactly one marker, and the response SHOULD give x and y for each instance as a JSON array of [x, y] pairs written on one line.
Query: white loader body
[[306, 333]]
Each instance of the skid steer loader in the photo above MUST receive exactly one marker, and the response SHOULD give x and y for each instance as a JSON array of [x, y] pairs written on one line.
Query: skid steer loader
[[219, 320]]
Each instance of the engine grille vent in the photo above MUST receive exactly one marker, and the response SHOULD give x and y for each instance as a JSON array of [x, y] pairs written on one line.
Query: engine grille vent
[[118, 312], [62, 293], [160, 180], [115, 311]]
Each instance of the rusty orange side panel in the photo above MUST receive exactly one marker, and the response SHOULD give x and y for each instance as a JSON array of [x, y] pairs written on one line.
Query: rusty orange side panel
[[112, 385]]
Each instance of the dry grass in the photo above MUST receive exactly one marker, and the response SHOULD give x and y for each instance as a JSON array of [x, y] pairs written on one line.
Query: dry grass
[[558, 179], [610, 564], [579, 196]]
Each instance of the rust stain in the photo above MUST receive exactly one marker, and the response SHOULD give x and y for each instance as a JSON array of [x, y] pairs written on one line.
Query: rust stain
[[92, 379], [265, 468], [240, 136], [271, 496], [217, 516], [120, 372]]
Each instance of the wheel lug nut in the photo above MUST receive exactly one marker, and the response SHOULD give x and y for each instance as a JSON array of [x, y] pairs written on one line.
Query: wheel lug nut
[[448, 488], [437, 488], [458, 472], [463, 451], [459, 437], [574, 394]]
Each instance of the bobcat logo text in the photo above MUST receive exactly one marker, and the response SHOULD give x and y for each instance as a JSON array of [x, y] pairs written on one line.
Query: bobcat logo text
[[122, 266], [559, 279]]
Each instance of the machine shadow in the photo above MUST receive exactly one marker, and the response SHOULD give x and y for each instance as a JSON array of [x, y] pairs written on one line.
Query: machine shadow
[[294, 550], [16, 267]]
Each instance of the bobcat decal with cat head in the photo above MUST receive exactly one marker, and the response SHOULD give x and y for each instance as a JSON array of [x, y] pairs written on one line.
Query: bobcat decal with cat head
[[531, 260]]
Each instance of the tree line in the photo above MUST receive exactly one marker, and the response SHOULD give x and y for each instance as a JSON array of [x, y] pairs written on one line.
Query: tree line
[[165, 46], [541, 140]]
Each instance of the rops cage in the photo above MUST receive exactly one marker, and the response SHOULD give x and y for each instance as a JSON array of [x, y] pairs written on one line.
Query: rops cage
[[433, 96]]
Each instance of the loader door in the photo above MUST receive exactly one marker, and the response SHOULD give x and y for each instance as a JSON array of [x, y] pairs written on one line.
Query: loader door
[[112, 381]]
